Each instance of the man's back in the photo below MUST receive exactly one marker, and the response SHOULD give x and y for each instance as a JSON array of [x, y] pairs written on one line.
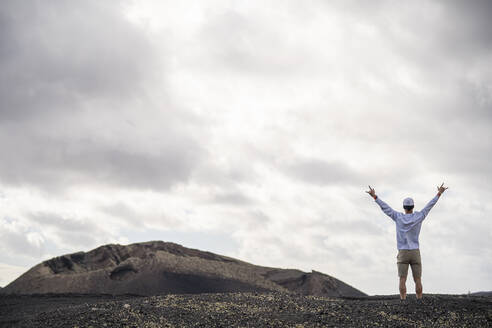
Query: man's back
[[407, 224]]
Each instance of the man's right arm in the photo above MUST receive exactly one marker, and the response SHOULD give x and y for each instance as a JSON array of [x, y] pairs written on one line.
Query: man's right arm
[[433, 201], [429, 206]]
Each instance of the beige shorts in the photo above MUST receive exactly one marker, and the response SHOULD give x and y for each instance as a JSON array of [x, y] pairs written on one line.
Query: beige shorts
[[410, 257]]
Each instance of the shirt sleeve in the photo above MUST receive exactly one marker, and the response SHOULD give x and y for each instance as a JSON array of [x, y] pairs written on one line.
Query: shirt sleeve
[[387, 209], [428, 207]]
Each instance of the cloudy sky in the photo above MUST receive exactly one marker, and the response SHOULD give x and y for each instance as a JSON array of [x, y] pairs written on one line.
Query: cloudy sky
[[249, 129]]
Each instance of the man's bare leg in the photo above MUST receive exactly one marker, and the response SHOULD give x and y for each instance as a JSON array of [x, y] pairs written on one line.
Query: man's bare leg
[[418, 287], [403, 288]]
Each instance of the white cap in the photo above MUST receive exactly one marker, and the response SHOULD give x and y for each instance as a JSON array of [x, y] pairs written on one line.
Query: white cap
[[408, 202]]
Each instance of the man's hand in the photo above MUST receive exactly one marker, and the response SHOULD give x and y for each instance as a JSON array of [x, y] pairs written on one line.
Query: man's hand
[[372, 192], [441, 189]]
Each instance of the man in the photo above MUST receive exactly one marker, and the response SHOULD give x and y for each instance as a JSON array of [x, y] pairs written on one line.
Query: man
[[407, 236]]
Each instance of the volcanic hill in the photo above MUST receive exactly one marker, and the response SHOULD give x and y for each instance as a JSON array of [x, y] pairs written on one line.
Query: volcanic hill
[[157, 267]]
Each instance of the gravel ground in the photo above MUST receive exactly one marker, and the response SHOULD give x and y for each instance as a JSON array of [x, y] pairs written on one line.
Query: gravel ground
[[243, 310]]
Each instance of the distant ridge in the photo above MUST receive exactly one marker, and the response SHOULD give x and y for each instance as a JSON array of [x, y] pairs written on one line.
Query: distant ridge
[[158, 267], [488, 294]]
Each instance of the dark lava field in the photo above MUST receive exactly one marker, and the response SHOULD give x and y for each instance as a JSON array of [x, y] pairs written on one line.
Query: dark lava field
[[243, 310]]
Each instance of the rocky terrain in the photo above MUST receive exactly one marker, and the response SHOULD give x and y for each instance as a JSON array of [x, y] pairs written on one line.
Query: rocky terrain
[[156, 267], [489, 294], [158, 284], [246, 309]]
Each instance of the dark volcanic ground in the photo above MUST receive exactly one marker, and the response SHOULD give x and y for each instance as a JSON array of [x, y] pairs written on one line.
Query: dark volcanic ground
[[243, 310]]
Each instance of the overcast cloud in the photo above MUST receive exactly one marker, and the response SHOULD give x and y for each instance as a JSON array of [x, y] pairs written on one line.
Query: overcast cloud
[[259, 123]]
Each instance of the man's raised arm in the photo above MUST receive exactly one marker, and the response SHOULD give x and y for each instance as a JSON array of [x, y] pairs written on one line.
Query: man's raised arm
[[385, 207], [433, 201]]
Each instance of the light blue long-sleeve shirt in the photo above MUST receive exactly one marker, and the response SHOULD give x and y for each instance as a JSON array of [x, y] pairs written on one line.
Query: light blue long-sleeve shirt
[[407, 225]]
